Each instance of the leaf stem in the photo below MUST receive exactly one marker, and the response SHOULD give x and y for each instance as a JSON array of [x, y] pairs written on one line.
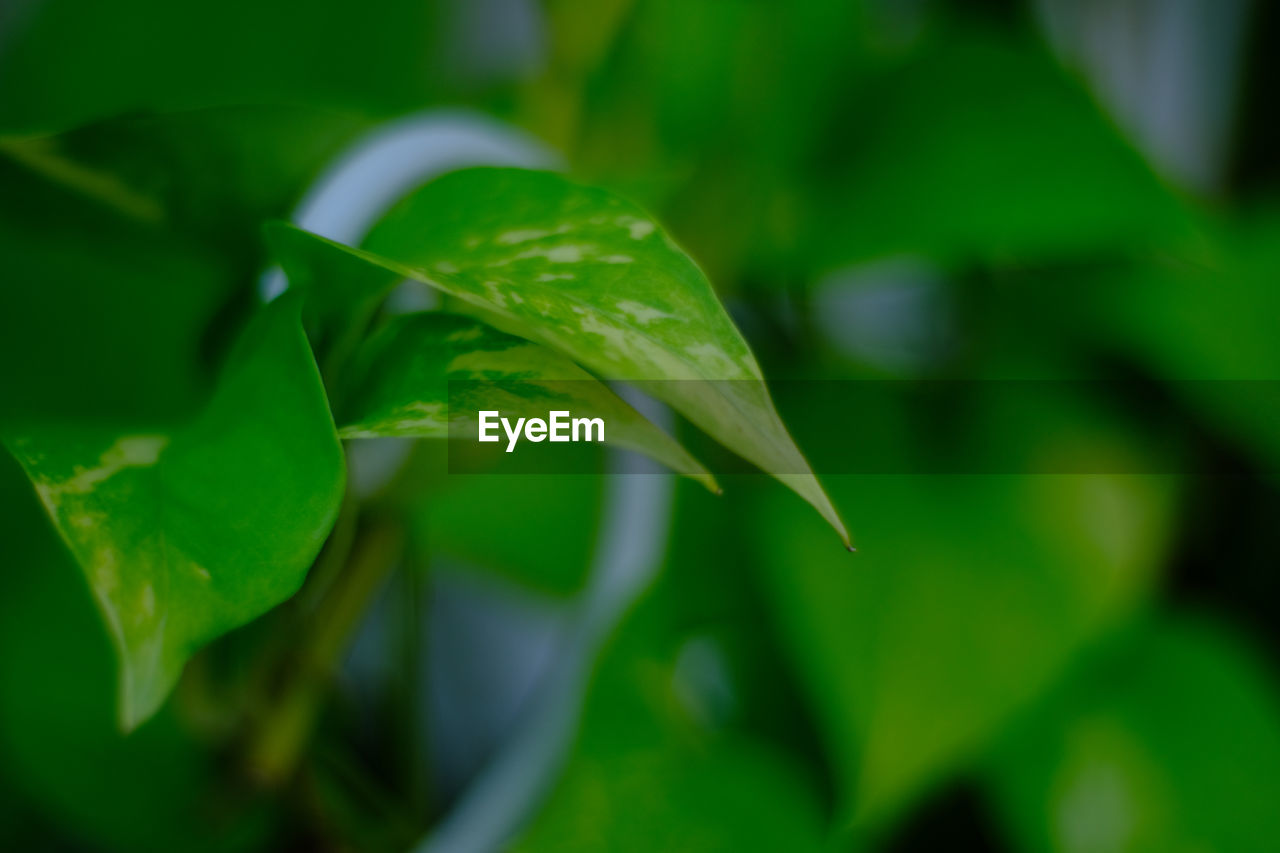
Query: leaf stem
[[286, 728]]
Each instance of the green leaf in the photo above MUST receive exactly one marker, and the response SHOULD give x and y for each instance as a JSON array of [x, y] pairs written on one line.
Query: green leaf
[[1169, 742], [59, 740], [342, 293], [187, 534], [214, 174], [980, 147], [67, 62], [146, 202], [974, 594], [592, 276], [94, 324], [1205, 323], [400, 385], [402, 388]]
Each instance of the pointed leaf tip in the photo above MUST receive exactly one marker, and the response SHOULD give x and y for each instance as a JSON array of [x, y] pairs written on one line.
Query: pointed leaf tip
[[595, 278]]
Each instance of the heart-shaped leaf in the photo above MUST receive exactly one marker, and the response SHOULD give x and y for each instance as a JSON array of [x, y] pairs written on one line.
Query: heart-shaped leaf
[[1015, 576], [592, 276], [188, 534]]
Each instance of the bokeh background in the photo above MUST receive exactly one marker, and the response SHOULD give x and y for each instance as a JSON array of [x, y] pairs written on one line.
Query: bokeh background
[[889, 190]]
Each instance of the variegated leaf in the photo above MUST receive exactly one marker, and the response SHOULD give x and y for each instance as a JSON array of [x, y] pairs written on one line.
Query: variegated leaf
[[187, 534], [401, 387], [592, 276]]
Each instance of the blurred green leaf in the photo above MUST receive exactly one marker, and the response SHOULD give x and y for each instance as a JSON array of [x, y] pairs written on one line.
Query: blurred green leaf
[[184, 536], [1169, 743], [968, 597], [72, 61], [980, 147], [592, 276], [709, 129], [208, 171], [1205, 322], [105, 316], [128, 242], [679, 92], [212, 174]]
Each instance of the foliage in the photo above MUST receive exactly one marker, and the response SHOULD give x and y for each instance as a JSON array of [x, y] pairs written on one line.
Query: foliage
[[253, 599]]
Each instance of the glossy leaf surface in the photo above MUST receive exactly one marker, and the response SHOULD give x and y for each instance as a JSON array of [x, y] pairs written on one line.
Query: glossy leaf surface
[[591, 275], [185, 535], [145, 792]]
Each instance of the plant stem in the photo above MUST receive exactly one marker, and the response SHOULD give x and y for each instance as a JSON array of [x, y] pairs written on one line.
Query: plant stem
[[279, 741]]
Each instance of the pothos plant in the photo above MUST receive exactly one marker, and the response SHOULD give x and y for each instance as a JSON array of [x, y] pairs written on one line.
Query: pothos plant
[[187, 533]]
